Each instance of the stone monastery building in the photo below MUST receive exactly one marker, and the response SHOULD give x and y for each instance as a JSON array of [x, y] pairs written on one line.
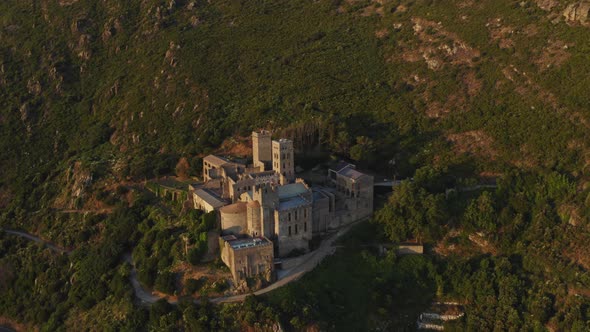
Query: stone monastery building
[[265, 211]]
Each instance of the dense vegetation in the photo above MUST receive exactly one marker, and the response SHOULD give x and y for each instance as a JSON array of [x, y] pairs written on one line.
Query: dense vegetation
[[97, 96]]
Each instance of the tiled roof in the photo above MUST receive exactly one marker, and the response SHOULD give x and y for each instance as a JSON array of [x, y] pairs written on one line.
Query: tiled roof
[[350, 173], [210, 198], [215, 160]]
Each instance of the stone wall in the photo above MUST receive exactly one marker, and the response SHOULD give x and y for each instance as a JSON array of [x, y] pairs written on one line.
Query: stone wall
[[322, 211], [251, 262], [234, 218], [261, 148], [254, 218], [293, 229]]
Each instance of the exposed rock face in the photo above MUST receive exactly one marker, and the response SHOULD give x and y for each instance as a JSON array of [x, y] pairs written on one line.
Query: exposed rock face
[[547, 4], [34, 87], [78, 179], [25, 112], [577, 12]]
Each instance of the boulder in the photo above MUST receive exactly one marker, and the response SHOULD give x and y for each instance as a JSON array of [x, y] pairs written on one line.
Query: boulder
[[577, 12]]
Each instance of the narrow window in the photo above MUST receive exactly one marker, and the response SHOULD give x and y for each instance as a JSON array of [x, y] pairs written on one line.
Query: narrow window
[[289, 230], [304, 227], [304, 213], [295, 215], [289, 215], [296, 230]]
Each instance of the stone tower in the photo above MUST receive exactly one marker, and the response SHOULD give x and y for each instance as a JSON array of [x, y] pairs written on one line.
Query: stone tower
[[262, 149], [266, 194], [253, 218], [283, 161]]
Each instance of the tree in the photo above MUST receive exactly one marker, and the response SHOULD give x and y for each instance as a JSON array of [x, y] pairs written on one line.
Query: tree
[[481, 213], [431, 178], [195, 254], [209, 220], [183, 168], [193, 285], [412, 212], [196, 166], [364, 150], [166, 282]]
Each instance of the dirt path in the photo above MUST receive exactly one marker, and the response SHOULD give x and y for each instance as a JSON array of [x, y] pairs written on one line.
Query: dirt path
[[99, 211], [141, 293], [38, 240]]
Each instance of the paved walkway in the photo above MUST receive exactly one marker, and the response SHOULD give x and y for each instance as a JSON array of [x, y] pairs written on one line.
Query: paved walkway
[[310, 261]]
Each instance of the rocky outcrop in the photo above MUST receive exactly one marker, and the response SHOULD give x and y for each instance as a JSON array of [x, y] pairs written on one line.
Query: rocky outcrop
[[547, 5], [111, 28], [78, 180], [25, 112], [577, 12]]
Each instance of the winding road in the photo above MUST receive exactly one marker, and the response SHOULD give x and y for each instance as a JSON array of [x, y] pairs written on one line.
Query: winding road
[[309, 262], [37, 240]]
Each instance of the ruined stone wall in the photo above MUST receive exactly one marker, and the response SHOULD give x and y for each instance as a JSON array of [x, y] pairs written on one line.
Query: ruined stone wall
[[257, 261]]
